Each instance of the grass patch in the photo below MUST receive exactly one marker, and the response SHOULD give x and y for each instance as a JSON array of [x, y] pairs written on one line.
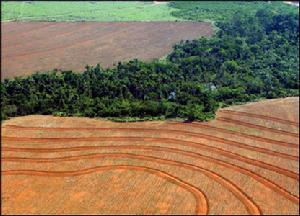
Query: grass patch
[[210, 11], [86, 11]]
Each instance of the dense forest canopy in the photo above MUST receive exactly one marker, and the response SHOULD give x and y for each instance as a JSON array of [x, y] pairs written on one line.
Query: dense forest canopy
[[250, 57], [223, 11]]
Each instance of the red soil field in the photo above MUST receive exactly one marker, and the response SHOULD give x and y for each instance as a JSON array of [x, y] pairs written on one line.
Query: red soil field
[[71, 165], [28, 47]]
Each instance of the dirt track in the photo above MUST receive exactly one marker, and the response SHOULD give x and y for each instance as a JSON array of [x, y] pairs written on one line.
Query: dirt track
[[225, 171], [37, 46]]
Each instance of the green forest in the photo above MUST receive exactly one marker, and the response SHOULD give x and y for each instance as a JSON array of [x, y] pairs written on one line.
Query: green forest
[[223, 11], [251, 56]]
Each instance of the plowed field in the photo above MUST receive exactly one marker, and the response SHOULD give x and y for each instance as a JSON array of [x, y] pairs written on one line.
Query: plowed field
[[28, 47], [244, 162]]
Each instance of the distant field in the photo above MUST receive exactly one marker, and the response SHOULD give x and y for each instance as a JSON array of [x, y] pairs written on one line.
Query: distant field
[[37, 46], [69, 165], [88, 11], [134, 10]]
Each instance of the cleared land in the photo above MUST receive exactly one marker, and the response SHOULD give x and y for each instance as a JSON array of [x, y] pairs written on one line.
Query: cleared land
[[133, 10], [220, 167], [41, 46]]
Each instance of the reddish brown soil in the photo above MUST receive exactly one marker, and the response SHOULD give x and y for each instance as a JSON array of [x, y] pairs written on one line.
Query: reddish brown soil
[[153, 167], [38, 46]]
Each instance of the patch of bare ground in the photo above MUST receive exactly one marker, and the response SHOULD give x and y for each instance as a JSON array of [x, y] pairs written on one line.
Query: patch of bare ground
[[41, 46], [91, 166]]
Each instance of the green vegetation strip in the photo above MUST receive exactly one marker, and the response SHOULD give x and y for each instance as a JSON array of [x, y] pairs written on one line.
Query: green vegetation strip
[[250, 57], [135, 10], [86, 11]]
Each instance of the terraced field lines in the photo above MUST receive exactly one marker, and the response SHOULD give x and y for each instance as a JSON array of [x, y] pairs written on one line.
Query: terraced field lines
[[241, 134], [247, 172], [170, 141], [250, 205], [240, 113], [199, 135], [184, 132], [201, 202], [257, 126], [188, 155]]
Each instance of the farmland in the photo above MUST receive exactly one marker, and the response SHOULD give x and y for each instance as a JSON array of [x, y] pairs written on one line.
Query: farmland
[[249, 58], [65, 76], [159, 167], [87, 11], [134, 10], [41, 46]]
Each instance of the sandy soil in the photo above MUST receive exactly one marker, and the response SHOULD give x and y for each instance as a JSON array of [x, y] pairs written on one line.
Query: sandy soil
[[244, 162], [37, 46]]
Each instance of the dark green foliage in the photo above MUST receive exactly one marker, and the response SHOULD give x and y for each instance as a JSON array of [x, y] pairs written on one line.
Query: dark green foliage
[[250, 57], [224, 11]]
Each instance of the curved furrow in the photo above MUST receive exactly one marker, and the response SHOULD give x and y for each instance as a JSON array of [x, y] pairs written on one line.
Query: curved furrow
[[267, 183], [208, 148], [251, 207], [239, 134], [275, 119], [184, 132], [198, 135], [201, 200], [237, 122]]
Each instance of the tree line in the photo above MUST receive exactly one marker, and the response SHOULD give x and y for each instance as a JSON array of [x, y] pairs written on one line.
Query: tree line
[[249, 57]]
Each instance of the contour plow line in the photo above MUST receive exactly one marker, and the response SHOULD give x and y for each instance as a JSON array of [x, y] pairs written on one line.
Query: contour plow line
[[240, 134], [198, 135], [251, 207], [237, 122], [201, 200], [267, 183], [194, 124], [217, 150], [241, 113]]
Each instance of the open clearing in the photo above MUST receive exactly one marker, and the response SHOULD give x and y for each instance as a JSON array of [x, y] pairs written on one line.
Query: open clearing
[[244, 162], [28, 47]]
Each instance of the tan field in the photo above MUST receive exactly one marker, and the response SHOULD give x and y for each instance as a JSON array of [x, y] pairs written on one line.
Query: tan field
[[246, 161], [28, 47]]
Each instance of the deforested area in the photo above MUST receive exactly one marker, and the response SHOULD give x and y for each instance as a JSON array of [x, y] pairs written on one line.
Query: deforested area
[[249, 58], [165, 108], [72, 165]]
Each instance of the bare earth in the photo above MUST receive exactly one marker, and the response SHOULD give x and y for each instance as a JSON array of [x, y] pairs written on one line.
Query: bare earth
[[28, 47], [244, 162]]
